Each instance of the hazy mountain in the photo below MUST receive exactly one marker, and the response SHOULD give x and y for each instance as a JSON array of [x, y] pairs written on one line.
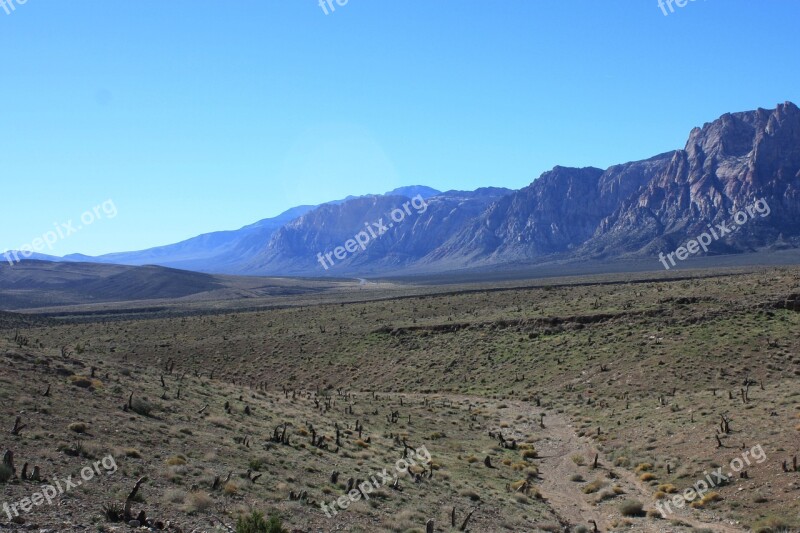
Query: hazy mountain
[[638, 208], [221, 251], [210, 252]]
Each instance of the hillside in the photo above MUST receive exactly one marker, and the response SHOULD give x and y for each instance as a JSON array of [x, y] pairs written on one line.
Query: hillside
[[609, 391]]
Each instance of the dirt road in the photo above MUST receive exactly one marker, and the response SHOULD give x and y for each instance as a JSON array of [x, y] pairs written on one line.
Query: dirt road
[[558, 444]]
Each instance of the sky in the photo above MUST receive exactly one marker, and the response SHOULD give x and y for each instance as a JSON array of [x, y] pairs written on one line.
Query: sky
[[192, 116]]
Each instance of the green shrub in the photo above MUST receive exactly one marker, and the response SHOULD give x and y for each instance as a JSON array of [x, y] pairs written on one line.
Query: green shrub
[[255, 523], [142, 407], [772, 524], [257, 464]]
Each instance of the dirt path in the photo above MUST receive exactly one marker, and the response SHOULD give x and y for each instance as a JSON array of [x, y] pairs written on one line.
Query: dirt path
[[559, 443]]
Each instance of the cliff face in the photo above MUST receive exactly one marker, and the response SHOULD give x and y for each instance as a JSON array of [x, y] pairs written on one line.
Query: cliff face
[[726, 166]]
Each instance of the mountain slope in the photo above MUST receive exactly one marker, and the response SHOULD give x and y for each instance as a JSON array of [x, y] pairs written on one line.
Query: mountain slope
[[425, 226], [39, 283], [223, 251], [210, 252]]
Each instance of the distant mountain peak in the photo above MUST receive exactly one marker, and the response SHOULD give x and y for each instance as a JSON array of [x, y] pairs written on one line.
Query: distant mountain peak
[[414, 190]]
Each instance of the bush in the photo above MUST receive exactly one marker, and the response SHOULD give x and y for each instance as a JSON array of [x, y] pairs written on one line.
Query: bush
[[257, 464], [85, 382], [631, 508], [177, 460], [255, 523], [711, 497], [668, 488], [79, 427], [114, 512], [142, 407], [772, 524], [605, 495], [198, 502], [594, 486]]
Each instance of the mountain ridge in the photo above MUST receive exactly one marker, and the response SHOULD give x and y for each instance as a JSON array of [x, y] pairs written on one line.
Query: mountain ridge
[[637, 208]]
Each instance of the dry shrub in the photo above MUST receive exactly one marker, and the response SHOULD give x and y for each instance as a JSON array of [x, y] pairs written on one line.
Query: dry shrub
[[517, 484], [198, 502], [631, 508], [85, 382], [175, 496], [530, 454], [605, 495], [219, 421], [772, 524], [176, 460], [594, 486], [79, 427], [705, 500]]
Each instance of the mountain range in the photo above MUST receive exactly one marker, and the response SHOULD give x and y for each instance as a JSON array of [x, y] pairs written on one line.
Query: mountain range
[[636, 209]]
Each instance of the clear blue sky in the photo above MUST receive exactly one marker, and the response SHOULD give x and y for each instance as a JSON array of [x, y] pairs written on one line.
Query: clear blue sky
[[195, 116]]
